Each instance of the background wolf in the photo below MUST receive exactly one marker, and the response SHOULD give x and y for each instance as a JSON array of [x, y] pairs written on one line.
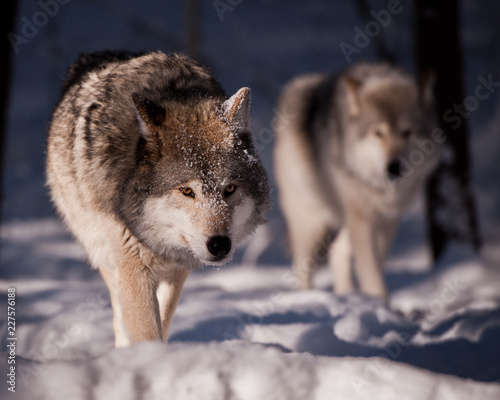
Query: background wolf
[[155, 172], [344, 162]]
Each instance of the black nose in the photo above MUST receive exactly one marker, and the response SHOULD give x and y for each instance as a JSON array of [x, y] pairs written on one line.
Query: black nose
[[394, 169], [219, 246]]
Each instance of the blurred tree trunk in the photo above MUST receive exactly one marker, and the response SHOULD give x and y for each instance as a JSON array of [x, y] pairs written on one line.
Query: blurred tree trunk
[[192, 20], [451, 208], [8, 18]]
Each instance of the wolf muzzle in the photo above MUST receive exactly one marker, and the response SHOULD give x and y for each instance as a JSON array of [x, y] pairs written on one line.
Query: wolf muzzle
[[394, 169], [219, 246]]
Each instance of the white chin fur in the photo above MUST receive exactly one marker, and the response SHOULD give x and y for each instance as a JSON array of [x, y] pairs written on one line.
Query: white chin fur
[[225, 260]]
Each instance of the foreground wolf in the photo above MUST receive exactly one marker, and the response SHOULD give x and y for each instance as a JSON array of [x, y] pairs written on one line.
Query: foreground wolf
[[155, 172], [346, 161]]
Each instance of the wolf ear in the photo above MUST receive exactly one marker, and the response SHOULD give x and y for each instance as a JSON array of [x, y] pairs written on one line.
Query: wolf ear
[[149, 115], [352, 88], [236, 109], [426, 85]]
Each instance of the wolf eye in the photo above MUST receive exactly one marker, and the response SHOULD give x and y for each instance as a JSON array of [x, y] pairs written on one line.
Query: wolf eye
[[187, 191], [229, 190]]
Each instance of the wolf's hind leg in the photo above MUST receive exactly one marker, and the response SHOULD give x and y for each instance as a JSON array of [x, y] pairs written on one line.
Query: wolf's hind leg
[[168, 293], [340, 261], [307, 252], [303, 268]]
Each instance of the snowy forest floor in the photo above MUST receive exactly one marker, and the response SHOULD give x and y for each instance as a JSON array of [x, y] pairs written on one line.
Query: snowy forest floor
[[242, 332]]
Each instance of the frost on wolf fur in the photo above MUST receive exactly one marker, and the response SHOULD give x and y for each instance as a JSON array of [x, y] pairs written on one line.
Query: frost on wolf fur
[[342, 167], [154, 170]]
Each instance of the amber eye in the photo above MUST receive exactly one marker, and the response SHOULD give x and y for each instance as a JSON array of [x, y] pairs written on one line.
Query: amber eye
[[187, 191], [229, 190]]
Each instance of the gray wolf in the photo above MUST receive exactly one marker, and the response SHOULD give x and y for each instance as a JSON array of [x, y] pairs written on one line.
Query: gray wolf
[[155, 172], [343, 164]]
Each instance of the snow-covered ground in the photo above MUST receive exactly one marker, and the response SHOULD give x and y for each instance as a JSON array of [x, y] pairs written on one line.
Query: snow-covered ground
[[241, 331]]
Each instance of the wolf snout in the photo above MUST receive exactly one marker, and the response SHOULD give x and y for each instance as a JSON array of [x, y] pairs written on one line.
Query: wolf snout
[[394, 169], [219, 246]]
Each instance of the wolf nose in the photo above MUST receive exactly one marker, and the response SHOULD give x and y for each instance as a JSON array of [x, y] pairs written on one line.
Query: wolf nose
[[394, 169], [219, 246]]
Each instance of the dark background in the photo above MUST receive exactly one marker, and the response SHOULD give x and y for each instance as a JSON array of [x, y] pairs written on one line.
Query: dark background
[[260, 44]]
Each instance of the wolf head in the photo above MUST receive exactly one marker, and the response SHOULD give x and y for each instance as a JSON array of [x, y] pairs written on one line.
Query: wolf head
[[199, 187], [390, 117]]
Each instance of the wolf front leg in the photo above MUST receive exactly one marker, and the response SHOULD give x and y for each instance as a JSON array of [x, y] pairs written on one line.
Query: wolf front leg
[[136, 315], [168, 293], [367, 261], [110, 277], [340, 261], [386, 231]]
